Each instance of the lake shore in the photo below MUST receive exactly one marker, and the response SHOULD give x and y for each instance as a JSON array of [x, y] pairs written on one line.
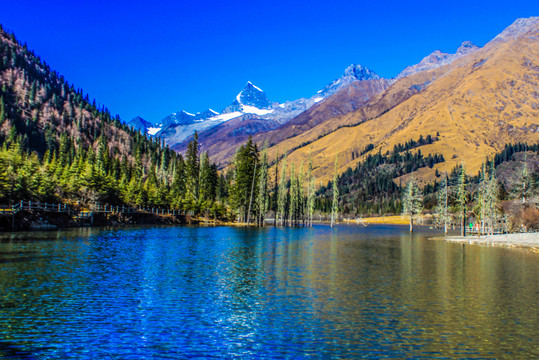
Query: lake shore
[[388, 220], [528, 241]]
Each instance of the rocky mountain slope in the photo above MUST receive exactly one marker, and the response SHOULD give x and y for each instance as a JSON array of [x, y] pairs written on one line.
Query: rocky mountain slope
[[251, 104], [347, 93], [437, 59], [474, 105], [139, 124], [251, 101]]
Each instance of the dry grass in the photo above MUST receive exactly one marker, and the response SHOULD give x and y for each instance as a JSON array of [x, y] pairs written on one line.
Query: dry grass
[[477, 107], [392, 220]]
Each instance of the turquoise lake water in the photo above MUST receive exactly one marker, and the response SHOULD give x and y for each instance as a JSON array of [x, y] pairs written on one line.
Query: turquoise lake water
[[280, 293]]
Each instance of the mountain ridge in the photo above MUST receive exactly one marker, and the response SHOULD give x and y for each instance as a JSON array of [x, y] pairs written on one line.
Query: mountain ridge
[[477, 102]]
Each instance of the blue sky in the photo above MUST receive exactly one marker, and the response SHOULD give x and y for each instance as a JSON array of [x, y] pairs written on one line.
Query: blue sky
[[153, 58]]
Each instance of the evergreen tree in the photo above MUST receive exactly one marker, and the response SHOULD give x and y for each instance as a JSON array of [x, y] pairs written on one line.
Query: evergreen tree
[[482, 199], [262, 195], [441, 213], [492, 211], [412, 201], [276, 191], [244, 175], [301, 195], [208, 180], [335, 202], [192, 169], [294, 197], [282, 195], [2, 110], [462, 200], [525, 184], [310, 192]]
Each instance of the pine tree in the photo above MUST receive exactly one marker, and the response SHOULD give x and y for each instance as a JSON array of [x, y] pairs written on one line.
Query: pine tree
[[412, 201], [294, 197], [2, 110], [335, 202], [192, 169], [462, 200], [244, 175], [310, 192], [482, 197], [276, 191], [281, 197], [301, 195], [525, 185], [492, 211], [207, 180], [262, 195], [440, 211]]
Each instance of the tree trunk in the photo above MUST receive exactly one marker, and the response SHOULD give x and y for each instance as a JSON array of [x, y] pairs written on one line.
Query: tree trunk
[[411, 224]]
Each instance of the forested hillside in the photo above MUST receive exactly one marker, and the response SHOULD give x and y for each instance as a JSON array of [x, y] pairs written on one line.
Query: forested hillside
[[57, 145]]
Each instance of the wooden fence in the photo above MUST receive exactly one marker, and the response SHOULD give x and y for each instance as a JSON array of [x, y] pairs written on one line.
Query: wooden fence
[[85, 214]]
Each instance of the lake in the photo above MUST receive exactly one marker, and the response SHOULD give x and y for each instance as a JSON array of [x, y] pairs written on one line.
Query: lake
[[225, 292]]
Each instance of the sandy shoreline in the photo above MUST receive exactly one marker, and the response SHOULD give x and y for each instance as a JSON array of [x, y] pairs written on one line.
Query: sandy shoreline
[[529, 241]]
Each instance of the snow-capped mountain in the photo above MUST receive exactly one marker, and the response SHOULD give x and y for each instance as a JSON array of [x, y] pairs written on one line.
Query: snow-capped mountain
[[179, 126], [139, 124], [251, 101], [185, 118], [180, 118], [290, 109]]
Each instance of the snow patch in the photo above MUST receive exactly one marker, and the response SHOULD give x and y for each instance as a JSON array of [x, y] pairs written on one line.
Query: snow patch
[[318, 99], [213, 111], [154, 130], [281, 106], [225, 117], [185, 112], [256, 87], [254, 110]]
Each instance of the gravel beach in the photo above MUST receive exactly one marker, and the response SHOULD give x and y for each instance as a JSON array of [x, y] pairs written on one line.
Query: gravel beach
[[521, 240]]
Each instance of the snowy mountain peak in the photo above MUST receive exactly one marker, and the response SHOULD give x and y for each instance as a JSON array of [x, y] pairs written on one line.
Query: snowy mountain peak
[[250, 84], [139, 124], [360, 72], [251, 96]]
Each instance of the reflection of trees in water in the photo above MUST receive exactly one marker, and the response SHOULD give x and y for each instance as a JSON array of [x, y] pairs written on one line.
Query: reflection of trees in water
[[465, 297]]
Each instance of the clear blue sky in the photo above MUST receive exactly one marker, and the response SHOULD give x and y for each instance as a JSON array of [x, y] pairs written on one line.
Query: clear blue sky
[[151, 58]]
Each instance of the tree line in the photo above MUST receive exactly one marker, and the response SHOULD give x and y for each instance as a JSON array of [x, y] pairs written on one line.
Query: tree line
[[459, 197]]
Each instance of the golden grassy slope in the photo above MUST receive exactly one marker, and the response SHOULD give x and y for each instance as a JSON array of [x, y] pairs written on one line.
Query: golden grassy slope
[[478, 103]]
